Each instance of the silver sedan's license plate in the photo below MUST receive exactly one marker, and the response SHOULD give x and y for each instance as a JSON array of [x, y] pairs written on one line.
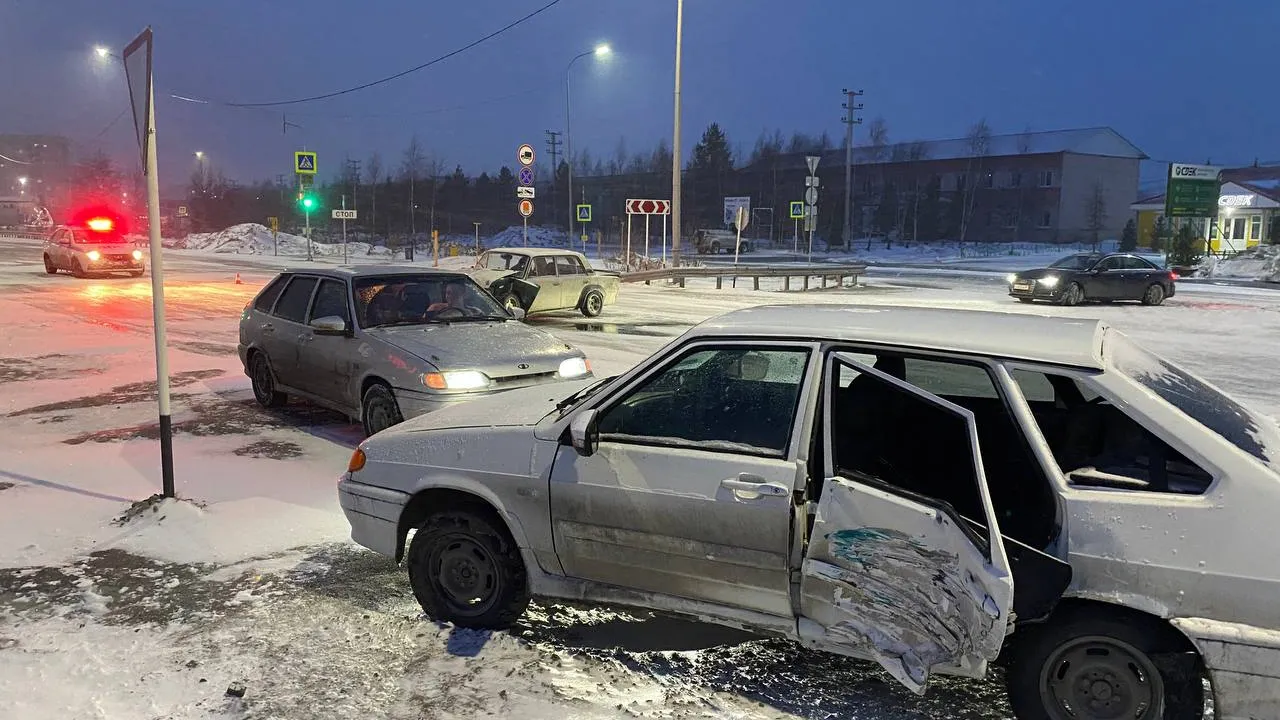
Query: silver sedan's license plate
[[1023, 285]]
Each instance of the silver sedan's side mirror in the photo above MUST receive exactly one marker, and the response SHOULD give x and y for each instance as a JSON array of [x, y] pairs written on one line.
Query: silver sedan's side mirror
[[584, 433], [329, 325]]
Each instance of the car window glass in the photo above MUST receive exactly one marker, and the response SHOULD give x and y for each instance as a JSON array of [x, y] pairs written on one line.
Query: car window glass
[[1035, 386], [949, 379], [568, 265], [1097, 444], [723, 399], [1111, 263], [876, 437], [331, 300], [542, 267], [1137, 263], [294, 300], [267, 298]]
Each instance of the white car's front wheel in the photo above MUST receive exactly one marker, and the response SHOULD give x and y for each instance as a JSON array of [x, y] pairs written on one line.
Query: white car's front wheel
[[465, 569]]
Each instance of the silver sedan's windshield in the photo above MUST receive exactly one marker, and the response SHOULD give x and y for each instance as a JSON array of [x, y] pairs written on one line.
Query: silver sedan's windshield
[[419, 300]]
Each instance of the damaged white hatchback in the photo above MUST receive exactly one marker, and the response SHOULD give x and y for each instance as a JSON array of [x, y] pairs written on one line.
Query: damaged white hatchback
[[928, 489]]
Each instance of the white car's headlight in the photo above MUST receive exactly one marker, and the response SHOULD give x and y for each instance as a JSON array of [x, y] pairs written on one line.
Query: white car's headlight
[[1011, 278], [137, 254], [94, 255], [456, 380], [574, 367], [1049, 281]]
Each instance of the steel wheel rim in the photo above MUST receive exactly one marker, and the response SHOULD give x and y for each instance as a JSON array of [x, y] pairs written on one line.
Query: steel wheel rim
[[511, 303], [379, 417], [263, 384], [467, 575], [1101, 678], [595, 303]]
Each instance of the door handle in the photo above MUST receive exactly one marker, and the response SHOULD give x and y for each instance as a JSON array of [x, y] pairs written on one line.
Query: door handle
[[746, 482], [267, 327], [306, 337]]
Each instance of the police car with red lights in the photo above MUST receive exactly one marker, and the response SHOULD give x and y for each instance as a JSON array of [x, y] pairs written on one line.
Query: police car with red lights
[[93, 243]]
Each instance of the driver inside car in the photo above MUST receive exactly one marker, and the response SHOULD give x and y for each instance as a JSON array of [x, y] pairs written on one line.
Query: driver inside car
[[455, 295]]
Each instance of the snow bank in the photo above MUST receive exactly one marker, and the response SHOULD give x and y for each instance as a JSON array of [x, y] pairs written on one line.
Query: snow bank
[[513, 236], [1259, 263], [255, 239]]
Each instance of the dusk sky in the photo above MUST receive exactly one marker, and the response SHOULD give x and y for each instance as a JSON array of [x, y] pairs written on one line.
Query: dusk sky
[[1184, 80]]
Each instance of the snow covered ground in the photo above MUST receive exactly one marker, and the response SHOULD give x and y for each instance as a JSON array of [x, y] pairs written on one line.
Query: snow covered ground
[[1258, 263], [111, 609]]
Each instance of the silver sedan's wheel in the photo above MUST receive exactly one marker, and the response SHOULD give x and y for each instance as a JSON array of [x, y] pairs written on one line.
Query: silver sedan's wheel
[[264, 383], [380, 409]]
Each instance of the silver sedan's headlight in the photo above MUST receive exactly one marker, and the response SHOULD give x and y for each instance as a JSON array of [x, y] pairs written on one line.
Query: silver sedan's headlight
[[1050, 281], [574, 367], [456, 380]]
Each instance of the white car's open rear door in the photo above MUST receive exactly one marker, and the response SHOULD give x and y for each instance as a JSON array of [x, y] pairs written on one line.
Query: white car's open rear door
[[890, 574]]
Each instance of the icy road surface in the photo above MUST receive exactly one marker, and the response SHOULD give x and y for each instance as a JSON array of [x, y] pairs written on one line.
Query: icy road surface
[[254, 586]]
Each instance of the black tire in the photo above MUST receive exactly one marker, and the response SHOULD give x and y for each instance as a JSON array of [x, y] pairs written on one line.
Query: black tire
[[592, 303], [465, 569], [1073, 295], [77, 269], [1154, 294], [379, 409], [264, 382], [1101, 665], [1025, 300], [136, 273], [715, 248], [49, 267]]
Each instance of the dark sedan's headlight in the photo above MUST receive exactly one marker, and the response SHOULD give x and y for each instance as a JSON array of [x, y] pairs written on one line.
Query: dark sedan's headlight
[[1049, 281]]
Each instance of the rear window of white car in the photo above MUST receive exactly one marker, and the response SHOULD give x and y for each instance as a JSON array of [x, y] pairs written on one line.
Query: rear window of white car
[[1254, 434]]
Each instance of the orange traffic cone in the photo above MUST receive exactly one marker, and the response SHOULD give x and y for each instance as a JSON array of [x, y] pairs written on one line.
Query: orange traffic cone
[[238, 282]]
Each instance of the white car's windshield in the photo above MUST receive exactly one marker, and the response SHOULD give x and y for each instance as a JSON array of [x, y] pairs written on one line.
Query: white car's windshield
[[504, 261], [1257, 435], [418, 300]]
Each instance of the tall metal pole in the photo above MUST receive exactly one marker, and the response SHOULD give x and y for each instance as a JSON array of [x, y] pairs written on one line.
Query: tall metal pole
[[477, 237], [568, 145], [344, 231], [675, 143], [157, 301]]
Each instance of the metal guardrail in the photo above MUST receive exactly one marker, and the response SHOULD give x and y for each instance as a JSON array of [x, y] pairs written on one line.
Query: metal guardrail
[[25, 234], [787, 271]]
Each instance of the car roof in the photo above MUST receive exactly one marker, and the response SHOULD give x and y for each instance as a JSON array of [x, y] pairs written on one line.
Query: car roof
[[362, 271], [535, 252], [1074, 342]]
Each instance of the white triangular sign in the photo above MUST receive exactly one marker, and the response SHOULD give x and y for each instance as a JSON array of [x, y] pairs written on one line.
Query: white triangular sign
[[812, 162]]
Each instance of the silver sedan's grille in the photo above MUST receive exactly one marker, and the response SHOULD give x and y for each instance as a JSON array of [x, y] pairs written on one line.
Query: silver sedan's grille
[[515, 381]]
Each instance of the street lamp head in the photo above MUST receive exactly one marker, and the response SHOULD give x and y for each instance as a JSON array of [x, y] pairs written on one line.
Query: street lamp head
[[603, 49], [22, 181], [102, 51], [199, 154]]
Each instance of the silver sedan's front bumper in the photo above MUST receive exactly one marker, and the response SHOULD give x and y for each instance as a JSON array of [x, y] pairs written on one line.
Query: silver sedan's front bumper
[[373, 513]]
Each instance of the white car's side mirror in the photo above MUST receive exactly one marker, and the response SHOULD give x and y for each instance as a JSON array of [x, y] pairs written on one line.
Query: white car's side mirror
[[584, 433], [517, 313]]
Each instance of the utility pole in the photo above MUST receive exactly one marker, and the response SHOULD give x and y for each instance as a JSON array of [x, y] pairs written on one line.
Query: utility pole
[[553, 150], [675, 142], [849, 120]]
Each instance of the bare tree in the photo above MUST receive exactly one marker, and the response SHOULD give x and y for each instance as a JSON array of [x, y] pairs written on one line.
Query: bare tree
[[1095, 211], [1020, 213], [619, 162], [878, 139], [978, 145], [878, 136], [916, 152], [411, 168], [373, 171]]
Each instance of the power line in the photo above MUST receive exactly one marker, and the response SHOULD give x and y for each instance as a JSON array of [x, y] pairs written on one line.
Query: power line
[[389, 78]]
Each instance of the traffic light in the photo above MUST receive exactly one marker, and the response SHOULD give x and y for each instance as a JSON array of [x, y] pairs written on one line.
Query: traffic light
[[308, 201]]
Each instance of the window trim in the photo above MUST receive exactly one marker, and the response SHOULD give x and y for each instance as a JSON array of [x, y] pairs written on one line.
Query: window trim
[[284, 279], [307, 308], [801, 426], [1134, 412]]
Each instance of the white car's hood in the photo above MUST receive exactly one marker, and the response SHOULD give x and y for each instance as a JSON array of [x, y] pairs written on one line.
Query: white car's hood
[[525, 406]]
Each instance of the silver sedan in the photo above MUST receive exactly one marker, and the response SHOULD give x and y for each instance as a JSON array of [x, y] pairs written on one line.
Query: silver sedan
[[381, 344]]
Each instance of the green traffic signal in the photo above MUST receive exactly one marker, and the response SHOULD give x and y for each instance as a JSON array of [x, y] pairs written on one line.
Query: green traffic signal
[[308, 202]]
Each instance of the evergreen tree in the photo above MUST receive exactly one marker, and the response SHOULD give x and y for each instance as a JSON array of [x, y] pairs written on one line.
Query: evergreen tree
[[1159, 233], [708, 170], [1187, 248], [1129, 238]]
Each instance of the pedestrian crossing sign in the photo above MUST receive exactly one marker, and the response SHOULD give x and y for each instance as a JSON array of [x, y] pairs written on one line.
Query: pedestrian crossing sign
[[797, 210], [584, 213], [304, 163]]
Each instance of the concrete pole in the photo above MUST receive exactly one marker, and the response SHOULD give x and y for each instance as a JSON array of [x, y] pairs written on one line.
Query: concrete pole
[[675, 143]]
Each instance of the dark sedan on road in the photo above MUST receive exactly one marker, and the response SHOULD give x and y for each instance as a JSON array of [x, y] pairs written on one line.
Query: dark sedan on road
[[1095, 277]]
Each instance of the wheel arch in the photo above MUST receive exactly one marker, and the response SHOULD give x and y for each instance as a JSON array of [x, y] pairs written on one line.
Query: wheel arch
[[582, 296], [443, 496], [368, 381]]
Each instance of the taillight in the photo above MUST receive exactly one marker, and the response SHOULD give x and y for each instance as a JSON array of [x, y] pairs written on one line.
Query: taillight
[[1173, 275]]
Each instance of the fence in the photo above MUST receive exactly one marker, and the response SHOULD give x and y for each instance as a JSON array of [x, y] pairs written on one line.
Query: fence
[[834, 273]]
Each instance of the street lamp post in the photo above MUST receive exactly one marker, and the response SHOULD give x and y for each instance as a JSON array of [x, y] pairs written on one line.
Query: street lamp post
[[204, 175], [599, 51], [675, 143], [22, 184]]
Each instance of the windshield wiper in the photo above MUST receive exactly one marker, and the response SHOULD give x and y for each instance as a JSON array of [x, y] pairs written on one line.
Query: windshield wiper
[[473, 318], [583, 393]]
